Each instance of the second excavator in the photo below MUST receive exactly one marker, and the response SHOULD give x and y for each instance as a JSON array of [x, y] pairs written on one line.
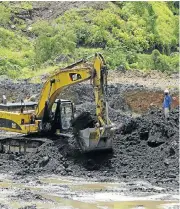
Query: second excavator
[[51, 115]]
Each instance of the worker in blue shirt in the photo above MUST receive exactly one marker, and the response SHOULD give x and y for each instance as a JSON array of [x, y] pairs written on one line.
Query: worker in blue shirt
[[167, 103]]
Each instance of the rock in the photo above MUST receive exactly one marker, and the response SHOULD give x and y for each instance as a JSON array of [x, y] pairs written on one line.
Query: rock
[[89, 174], [29, 207], [65, 164], [13, 27], [3, 206], [172, 176], [44, 161], [121, 68], [11, 157], [166, 162], [171, 151], [60, 168], [62, 58], [69, 170]]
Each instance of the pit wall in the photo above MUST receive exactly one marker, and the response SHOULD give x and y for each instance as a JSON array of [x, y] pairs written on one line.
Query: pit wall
[[142, 101]]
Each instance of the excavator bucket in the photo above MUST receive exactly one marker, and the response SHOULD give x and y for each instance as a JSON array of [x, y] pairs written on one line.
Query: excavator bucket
[[89, 137], [88, 140]]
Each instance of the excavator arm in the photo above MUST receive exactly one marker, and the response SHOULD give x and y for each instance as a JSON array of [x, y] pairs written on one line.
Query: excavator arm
[[89, 137], [56, 83], [73, 74]]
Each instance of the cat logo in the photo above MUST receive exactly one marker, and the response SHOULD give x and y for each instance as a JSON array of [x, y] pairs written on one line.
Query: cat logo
[[13, 125], [74, 76]]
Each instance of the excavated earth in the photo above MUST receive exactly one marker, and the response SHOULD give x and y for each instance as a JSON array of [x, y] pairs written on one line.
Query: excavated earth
[[146, 147]]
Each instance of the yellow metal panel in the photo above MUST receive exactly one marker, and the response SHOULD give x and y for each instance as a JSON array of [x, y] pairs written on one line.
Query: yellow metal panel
[[62, 79], [15, 119], [25, 129]]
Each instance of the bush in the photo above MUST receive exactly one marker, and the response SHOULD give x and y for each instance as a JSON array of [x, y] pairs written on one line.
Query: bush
[[115, 57], [157, 61], [156, 56], [163, 64], [165, 25], [47, 48], [9, 39], [144, 62], [174, 62], [160, 61], [42, 27], [9, 69], [4, 15], [43, 50]]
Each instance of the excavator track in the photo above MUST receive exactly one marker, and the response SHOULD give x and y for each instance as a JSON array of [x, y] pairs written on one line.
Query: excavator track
[[19, 143]]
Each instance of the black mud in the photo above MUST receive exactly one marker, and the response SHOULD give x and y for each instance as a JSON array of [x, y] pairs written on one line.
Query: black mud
[[147, 147]]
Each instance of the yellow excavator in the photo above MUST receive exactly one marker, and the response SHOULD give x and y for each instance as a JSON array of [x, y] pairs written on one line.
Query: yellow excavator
[[51, 115]]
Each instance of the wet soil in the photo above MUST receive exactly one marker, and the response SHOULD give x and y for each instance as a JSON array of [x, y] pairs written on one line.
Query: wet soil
[[146, 148], [53, 191]]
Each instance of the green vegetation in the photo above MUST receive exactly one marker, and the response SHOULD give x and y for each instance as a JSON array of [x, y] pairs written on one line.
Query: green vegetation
[[137, 35]]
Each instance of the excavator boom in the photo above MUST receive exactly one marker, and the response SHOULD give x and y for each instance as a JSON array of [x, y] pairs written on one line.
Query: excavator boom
[[41, 118], [57, 83]]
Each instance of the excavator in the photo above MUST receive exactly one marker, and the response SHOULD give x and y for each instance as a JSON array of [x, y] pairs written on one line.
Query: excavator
[[51, 116]]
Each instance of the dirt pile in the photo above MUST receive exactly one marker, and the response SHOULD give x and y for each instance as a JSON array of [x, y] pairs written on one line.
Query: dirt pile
[[50, 157], [126, 98], [3, 206], [17, 90], [50, 10], [151, 79], [147, 148]]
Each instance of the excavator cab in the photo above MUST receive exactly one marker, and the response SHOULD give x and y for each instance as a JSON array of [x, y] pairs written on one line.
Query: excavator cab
[[64, 109]]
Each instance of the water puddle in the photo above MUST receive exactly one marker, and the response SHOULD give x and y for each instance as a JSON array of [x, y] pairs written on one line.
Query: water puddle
[[54, 192]]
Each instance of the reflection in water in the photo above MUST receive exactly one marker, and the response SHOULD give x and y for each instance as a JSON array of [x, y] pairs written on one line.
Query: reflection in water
[[74, 193]]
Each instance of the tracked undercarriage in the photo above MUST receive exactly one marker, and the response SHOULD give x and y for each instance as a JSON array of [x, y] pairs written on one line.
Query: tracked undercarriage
[[20, 143]]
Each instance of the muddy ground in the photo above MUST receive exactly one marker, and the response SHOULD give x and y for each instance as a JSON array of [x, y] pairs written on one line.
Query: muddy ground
[[146, 148], [57, 192]]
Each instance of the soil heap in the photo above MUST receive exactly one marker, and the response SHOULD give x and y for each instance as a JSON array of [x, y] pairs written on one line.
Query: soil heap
[[146, 147]]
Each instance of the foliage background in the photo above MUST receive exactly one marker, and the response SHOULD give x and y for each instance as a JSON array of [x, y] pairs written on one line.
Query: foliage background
[[131, 35]]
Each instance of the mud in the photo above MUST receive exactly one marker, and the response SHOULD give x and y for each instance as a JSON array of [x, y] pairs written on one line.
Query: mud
[[146, 148], [149, 148], [55, 191], [17, 90]]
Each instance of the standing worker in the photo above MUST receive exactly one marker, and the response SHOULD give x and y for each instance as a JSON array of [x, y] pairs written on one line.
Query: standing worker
[[167, 103]]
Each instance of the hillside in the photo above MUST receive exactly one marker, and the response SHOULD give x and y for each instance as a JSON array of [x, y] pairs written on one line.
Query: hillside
[[38, 37]]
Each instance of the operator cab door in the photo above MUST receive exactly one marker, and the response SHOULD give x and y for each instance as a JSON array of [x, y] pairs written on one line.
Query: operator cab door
[[63, 111], [67, 114]]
